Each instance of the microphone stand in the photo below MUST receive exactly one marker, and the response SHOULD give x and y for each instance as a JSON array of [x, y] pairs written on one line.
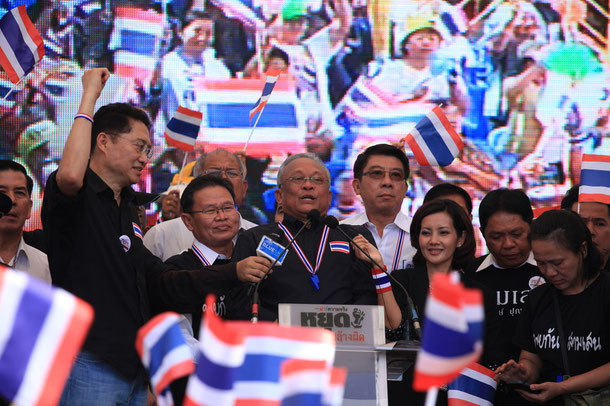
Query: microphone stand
[[332, 222]]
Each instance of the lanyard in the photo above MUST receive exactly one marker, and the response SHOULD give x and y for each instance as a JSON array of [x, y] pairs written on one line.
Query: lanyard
[[321, 248], [398, 251], [200, 255]]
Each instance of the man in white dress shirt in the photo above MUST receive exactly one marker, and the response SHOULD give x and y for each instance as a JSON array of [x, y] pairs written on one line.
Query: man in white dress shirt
[[380, 178], [17, 185], [171, 237]]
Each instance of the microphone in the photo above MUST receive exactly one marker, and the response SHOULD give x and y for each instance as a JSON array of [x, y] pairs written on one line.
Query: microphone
[[312, 217], [333, 223], [6, 204]]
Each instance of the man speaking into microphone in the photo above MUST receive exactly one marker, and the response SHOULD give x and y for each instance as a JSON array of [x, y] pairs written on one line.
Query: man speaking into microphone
[[320, 266]]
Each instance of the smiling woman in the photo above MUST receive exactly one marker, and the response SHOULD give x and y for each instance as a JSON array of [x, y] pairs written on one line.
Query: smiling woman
[[565, 325]]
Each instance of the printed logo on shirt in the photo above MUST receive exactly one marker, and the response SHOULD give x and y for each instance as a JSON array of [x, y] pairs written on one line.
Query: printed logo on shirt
[[136, 230], [536, 281], [125, 242], [339, 246]]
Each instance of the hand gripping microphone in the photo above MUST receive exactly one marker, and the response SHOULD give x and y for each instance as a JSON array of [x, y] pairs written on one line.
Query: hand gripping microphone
[[313, 217], [332, 222]]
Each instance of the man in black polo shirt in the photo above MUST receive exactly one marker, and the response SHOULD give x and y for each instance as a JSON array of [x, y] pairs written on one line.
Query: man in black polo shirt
[[95, 248], [328, 272]]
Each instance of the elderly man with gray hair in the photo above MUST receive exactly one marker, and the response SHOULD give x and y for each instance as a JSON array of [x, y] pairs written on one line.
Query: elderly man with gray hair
[[171, 237], [328, 271]]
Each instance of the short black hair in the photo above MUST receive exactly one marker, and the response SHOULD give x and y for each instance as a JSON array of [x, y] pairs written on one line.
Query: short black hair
[[193, 16], [571, 197], [278, 53], [116, 118], [464, 254], [380, 149], [201, 182], [8, 165], [513, 201], [448, 189], [567, 229]]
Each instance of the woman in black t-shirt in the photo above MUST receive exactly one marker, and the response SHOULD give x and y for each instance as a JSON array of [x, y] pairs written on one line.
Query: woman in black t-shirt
[[567, 258]]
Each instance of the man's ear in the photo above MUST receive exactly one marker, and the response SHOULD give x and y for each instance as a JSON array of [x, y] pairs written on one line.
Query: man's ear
[[278, 196], [356, 186], [188, 221], [583, 250], [102, 140]]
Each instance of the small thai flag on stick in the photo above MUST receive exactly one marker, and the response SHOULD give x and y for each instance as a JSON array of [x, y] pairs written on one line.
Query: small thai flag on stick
[[595, 179], [474, 387], [434, 141], [272, 76], [21, 46], [183, 128]]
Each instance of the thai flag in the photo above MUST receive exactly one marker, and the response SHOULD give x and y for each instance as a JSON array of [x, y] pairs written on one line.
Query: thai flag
[[183, 129], [222, 354], [272, 76], [267, 346], [165, 353], [137, 230], [339, 246], [237, 9], [21, 46], [41, 330], [595, 179], [474, 387], [333, 396], [448, 344], [434, 141], [304, 382]]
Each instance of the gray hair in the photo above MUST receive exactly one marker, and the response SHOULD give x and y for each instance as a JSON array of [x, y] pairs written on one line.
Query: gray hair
[[197, 169], [307, 155]]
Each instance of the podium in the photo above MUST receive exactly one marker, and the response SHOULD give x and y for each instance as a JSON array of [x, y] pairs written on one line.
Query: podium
[[360, 337]]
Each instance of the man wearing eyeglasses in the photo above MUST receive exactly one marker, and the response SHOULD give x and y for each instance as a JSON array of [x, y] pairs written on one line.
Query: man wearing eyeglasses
[[327, 272], [172, 237], [95, 249], [380, 178]]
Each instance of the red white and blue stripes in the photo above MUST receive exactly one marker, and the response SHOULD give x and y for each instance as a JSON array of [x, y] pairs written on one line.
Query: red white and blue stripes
[[41, 330], [183, 128], [434, 141], [382, 280], [301, 254], [474, 387], [21, 46], [448, 343], [137, 230], [272, 76], [398, 250], [304, 382], [595, 179], [200, 255], [165, 353], [339, 246]]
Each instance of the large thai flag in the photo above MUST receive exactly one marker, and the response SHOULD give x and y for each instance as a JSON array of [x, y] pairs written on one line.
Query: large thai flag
[[474, 387], [272, 76], [21, 45], [595, 179], [165, 354], [183, 129], [434, 141], [41, 330], [222, 352], [452, 334]]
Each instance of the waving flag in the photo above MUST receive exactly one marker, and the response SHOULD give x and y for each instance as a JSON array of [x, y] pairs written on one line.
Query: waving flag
[[333, 396], [474, 387], [41, 330], [183, 128], [272, 76], [165, 353], [434, 141], [452, 335], [595, 179], [222, 354], [304, 382], [21, 45]]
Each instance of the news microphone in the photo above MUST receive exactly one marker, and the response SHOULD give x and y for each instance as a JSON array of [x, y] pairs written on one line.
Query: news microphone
[[313, 217], [333, 223], [6, 204]]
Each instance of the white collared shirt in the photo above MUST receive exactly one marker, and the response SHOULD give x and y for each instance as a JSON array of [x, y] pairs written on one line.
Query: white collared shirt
[[491, 260], [388, 243], [172, 237], [30, 260], [209, 254]]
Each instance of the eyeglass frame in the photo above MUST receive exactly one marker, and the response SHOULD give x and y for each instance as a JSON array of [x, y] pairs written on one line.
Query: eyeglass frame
[[220, 171], [389, 172], [145, 149], [296, 180], [216, 209]]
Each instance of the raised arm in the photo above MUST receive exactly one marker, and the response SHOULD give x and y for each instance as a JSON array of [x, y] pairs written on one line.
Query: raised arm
[[75, 158]]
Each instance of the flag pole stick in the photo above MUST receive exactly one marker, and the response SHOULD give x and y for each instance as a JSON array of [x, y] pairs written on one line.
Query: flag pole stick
[[252, 132], [13, 88], [182, 167], [431, 397]]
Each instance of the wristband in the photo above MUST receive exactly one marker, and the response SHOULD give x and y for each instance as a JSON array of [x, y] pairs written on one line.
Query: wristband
[[85, 116], [381, 279]]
